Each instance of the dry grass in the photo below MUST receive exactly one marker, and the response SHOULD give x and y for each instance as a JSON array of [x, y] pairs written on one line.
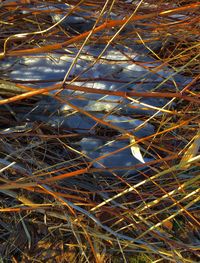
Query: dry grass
[[55, 205]]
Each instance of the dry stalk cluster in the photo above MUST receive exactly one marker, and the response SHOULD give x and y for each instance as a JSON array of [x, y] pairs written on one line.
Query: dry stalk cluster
[[99, 130]]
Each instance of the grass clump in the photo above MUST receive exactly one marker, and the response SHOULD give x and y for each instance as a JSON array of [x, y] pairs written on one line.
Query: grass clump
[[59, 202]]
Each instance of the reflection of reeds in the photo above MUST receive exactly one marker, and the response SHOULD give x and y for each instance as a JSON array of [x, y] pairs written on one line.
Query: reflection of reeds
[[53, 198]]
